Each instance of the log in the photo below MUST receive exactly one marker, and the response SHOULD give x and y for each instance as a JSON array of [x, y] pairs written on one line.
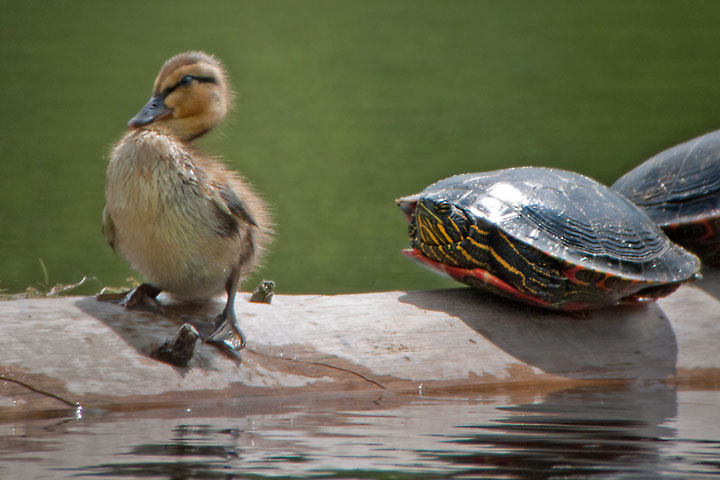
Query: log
[[56, 353]]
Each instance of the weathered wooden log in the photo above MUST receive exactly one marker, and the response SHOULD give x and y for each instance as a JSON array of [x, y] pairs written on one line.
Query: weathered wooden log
[[58, 352]]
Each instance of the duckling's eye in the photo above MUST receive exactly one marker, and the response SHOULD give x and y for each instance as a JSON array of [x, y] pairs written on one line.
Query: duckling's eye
[[443, 208], [186, 80]]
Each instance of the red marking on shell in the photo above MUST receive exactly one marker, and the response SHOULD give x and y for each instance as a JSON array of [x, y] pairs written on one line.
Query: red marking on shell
[[571, 275], [460, 274], [709, 231], [601, 284]]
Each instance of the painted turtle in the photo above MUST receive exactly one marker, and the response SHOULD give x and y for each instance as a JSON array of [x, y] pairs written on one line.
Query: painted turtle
[[679, 189], [546, 237]]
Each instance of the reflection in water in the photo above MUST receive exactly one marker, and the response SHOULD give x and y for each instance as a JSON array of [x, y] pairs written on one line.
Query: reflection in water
[[640, 431], [579, 432]]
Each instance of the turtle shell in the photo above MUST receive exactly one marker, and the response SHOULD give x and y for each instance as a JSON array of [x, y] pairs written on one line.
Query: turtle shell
[[679, 189], [544, 236]]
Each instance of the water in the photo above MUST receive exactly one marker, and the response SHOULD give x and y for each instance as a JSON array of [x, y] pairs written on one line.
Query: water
[[634, 431], [343, 106]]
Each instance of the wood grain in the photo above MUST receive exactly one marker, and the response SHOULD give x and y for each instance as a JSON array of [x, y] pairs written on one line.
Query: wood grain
[[57, 352]]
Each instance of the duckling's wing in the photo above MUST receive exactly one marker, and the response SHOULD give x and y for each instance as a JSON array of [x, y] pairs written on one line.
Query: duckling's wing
[[232, 209], [235, 205], [108, 228], [233, 215]]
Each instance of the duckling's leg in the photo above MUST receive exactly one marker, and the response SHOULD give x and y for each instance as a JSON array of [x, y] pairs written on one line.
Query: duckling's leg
[[227, 333], [142, 297]]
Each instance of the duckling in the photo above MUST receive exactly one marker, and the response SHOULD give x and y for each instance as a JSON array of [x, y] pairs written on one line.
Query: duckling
[[192, 227]]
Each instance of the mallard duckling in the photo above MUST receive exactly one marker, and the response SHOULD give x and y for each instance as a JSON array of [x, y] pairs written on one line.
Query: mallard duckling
[[192, 227]]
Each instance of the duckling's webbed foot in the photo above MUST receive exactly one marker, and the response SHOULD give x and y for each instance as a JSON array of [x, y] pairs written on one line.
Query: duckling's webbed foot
[[227, 334], [142, 297], [179, 349]]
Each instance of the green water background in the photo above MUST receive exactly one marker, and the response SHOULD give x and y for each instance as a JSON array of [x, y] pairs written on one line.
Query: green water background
[[343, 106]]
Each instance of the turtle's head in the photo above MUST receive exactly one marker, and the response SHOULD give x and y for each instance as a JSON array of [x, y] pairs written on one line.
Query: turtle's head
[[436, 226], [439, 222], [190, 97]]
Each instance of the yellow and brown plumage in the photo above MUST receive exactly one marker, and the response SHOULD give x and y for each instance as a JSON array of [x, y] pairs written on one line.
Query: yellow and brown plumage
[[191, 226]]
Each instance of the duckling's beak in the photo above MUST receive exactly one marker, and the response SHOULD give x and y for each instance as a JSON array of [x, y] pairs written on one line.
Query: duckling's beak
[[154, 110]]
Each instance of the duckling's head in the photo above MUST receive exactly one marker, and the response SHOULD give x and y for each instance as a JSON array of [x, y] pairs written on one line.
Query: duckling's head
[[190, 97]]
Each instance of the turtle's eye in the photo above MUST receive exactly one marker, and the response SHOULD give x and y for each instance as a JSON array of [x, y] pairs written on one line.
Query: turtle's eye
[[443, 208]]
